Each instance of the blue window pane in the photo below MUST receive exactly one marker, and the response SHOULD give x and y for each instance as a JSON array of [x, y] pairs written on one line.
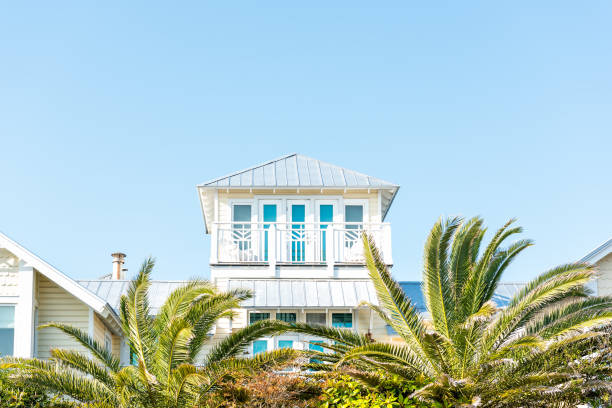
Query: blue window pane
[[316, 346], [342, 320], [242, 213], [283, 344], [353, 213], [269, 212], [7, 330], [298, 213], [326, 213], [260, 346], [298, 234]]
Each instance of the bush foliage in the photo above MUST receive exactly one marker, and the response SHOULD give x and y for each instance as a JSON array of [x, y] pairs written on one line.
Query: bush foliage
[[392, 392]]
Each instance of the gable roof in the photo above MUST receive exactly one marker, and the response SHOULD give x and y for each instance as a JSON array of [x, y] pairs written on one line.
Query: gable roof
[[598, 253], [98, 304], [299, 171]]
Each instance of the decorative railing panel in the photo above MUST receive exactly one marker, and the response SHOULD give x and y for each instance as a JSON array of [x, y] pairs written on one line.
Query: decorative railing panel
[[301, 243]]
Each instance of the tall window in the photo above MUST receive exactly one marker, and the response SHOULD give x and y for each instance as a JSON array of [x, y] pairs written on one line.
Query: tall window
[[342, 320], [241, 228], [7, 330], [269, 215], [108, 342], [255, 317], [353, 216], [286, 317], [298, 233], [326, 214]]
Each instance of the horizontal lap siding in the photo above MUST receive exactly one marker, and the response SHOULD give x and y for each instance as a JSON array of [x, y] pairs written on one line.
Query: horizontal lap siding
[[100, 330], [57, 305], [604, 283]]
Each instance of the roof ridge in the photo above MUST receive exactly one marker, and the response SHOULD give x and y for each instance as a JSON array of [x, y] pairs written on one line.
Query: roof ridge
[[247, 169]]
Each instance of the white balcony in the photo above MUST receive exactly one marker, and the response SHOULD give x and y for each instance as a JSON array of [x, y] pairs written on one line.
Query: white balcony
[[296, 243]]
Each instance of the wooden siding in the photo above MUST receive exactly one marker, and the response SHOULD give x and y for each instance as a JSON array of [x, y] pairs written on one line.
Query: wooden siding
[[100, 330], [57, 305], [604, 283]]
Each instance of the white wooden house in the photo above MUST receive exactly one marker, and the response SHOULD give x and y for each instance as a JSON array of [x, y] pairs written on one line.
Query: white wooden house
[[290, 231]]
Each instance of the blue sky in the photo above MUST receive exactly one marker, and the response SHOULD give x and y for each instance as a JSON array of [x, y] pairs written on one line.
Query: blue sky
[[111, 113]]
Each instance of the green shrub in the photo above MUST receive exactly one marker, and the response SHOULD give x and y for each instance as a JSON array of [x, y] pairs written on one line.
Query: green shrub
[[22, 395], [393, 392]]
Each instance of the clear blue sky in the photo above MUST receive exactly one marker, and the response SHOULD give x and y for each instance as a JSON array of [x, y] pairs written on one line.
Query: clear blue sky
[[111, 113]]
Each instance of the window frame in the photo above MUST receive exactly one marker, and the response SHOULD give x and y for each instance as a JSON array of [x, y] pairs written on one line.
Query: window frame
[[14, 306]]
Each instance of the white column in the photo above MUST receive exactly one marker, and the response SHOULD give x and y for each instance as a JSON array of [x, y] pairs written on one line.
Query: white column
[[214, 242], [330, 256], [272, 248], [24, 313]]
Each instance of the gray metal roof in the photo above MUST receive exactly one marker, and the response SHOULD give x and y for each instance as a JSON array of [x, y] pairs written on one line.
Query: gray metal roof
[[111, 291], [296, 170], [287, 293], [504, 292], [306, 293]]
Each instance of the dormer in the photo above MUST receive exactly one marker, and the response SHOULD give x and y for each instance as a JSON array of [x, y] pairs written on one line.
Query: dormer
[[295, 210]]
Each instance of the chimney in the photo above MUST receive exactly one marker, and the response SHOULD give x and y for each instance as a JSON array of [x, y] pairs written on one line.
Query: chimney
[[118, 259]]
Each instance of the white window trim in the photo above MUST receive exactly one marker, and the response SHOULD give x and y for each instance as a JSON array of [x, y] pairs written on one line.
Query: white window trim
[[280, 214], [358, 201], [15, 333], [288, 337], [242, 201], [269, 344], [107, 336]]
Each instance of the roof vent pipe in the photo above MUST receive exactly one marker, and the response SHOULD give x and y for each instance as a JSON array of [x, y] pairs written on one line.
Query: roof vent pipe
[[118, 260]]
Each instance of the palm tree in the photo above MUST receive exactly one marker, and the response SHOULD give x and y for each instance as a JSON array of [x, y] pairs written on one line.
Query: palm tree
[[165, 348], [468, 351]]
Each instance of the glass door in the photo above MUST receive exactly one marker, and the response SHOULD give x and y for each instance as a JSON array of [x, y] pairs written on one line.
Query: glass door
[[269, 214], [241, 231], [353, 217], [298, 233], [326, 215]]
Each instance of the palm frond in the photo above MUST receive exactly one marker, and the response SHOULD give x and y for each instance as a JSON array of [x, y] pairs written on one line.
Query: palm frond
[[84, 364], [437, 289], [402, 315], [96, 349], [236, 342]]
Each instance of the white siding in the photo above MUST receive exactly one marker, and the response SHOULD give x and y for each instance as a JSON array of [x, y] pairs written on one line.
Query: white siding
[[604, 283], [57, 305]]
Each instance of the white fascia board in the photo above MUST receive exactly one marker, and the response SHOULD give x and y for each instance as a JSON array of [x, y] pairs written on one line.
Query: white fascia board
[[96, 303], [598, 253]]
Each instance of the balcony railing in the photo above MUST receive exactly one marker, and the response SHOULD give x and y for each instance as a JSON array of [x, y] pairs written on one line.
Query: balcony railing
[[296, 243]]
